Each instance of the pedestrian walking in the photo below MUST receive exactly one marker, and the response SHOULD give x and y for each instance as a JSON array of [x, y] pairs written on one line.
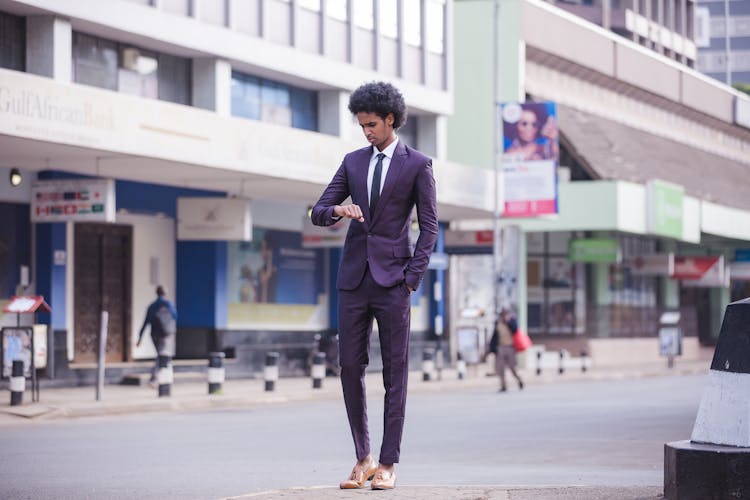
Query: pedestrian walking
[[502, 345], [378, 272], [161, 316]]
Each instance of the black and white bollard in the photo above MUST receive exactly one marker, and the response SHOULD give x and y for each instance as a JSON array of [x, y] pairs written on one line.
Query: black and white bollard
[[165, 376], [460, 366], [715, 463], [428, 364], [539, 362], [318, 370], [271, 370], [17, 383], [561, 368], [216, 373], [584, 360]]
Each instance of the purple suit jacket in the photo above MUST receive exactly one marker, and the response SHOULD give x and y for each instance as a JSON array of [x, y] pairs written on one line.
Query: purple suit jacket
[[383, 238]]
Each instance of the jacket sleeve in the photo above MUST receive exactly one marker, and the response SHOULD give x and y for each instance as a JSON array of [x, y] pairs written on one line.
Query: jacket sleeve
[[335, 193], [428, 225]]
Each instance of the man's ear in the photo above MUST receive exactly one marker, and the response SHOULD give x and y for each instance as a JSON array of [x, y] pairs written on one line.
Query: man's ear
[[390, 119]]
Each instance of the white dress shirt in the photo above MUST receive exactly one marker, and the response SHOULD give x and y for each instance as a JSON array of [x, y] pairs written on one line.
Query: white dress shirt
[[388, 151]]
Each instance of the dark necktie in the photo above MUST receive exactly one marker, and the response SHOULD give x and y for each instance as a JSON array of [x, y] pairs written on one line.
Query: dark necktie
[[375, 189]]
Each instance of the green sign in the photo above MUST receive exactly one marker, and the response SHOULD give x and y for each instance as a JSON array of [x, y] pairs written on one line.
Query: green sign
[[665, 208], [594, 250]]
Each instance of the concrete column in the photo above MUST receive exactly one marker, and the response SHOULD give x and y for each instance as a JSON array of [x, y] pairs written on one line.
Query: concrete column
[[432, 136], [669, 289], [212, 85], [334, 117], [49, 47]]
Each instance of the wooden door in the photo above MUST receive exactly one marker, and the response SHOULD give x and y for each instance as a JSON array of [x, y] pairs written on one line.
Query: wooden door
[[103, 271]]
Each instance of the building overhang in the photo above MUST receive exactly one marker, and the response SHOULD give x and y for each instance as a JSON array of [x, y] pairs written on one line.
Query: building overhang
[[47, 125], [622, 206]]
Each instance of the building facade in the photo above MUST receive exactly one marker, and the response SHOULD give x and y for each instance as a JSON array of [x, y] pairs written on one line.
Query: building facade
[[181, 143], [723, 40], [639, 133]]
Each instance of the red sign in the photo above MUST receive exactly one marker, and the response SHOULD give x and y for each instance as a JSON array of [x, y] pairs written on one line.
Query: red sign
[[693, 268], [23, 305]]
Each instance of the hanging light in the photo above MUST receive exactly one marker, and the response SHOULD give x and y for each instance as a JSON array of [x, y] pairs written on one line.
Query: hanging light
[[15, 177]]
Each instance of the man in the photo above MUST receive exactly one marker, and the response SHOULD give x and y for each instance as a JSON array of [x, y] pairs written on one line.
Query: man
[[162, 316], [378, 273], [501, 344]]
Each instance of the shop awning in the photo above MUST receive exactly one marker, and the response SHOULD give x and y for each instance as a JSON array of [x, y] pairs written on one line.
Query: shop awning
[[613, 151]]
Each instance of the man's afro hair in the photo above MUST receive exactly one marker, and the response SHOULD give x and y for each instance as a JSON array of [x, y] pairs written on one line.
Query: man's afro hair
[[380, 98]]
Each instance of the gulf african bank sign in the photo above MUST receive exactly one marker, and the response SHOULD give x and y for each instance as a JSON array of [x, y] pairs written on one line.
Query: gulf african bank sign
[[77, 200]]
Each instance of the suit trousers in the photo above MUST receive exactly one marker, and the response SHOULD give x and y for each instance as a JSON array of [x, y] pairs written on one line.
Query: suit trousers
[[391, 307]]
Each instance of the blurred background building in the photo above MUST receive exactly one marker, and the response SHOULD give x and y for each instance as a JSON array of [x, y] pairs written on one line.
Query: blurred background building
[[181, 142], [723, 40]]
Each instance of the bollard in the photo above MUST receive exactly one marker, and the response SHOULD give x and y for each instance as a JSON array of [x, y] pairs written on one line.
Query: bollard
[[584, 361], [271, 370], [539, 362], [439, 362], [165, 376], [318, 370], [17, 383], [561, 369], [216, 372], [461, 366], [428, 364]]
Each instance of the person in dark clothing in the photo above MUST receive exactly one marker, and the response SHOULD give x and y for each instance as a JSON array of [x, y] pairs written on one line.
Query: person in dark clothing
[[501, 344], [161, 316]]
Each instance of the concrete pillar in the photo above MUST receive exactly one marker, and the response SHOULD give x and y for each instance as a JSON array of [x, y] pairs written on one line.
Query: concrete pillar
[[334, 117], [432, 136], [212, 85], [49, 47]]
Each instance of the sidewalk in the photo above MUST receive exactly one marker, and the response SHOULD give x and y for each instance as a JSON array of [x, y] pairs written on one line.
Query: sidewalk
[[471, 493], [190, 394]]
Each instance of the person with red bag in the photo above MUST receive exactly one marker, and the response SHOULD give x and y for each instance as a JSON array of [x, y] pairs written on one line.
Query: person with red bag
[[502, 344]]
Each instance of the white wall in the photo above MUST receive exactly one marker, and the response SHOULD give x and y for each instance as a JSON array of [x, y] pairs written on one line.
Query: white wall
[[153, 237]]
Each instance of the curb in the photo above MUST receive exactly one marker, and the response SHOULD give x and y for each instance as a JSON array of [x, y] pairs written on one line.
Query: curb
[[192, 396]]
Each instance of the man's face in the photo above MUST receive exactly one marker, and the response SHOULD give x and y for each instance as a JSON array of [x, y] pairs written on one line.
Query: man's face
[[377, 130]]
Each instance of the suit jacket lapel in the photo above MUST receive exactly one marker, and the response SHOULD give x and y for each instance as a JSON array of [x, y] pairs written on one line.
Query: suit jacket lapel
[[391, 179]]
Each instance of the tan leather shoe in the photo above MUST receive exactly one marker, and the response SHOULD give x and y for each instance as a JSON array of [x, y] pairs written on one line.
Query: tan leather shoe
[[384, 480], [359, 476]]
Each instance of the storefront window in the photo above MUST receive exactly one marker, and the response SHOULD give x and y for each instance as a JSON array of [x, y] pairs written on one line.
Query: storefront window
[[632, 303], [274, 282], [555, 286], [12, 42]]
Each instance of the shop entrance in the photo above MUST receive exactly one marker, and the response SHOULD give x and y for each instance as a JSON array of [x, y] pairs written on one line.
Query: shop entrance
[[103, 271], [699, 301]]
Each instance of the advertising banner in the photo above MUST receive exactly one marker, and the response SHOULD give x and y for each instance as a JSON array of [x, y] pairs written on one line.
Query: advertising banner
[[77, 200], [530, 157], [700, 271]]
